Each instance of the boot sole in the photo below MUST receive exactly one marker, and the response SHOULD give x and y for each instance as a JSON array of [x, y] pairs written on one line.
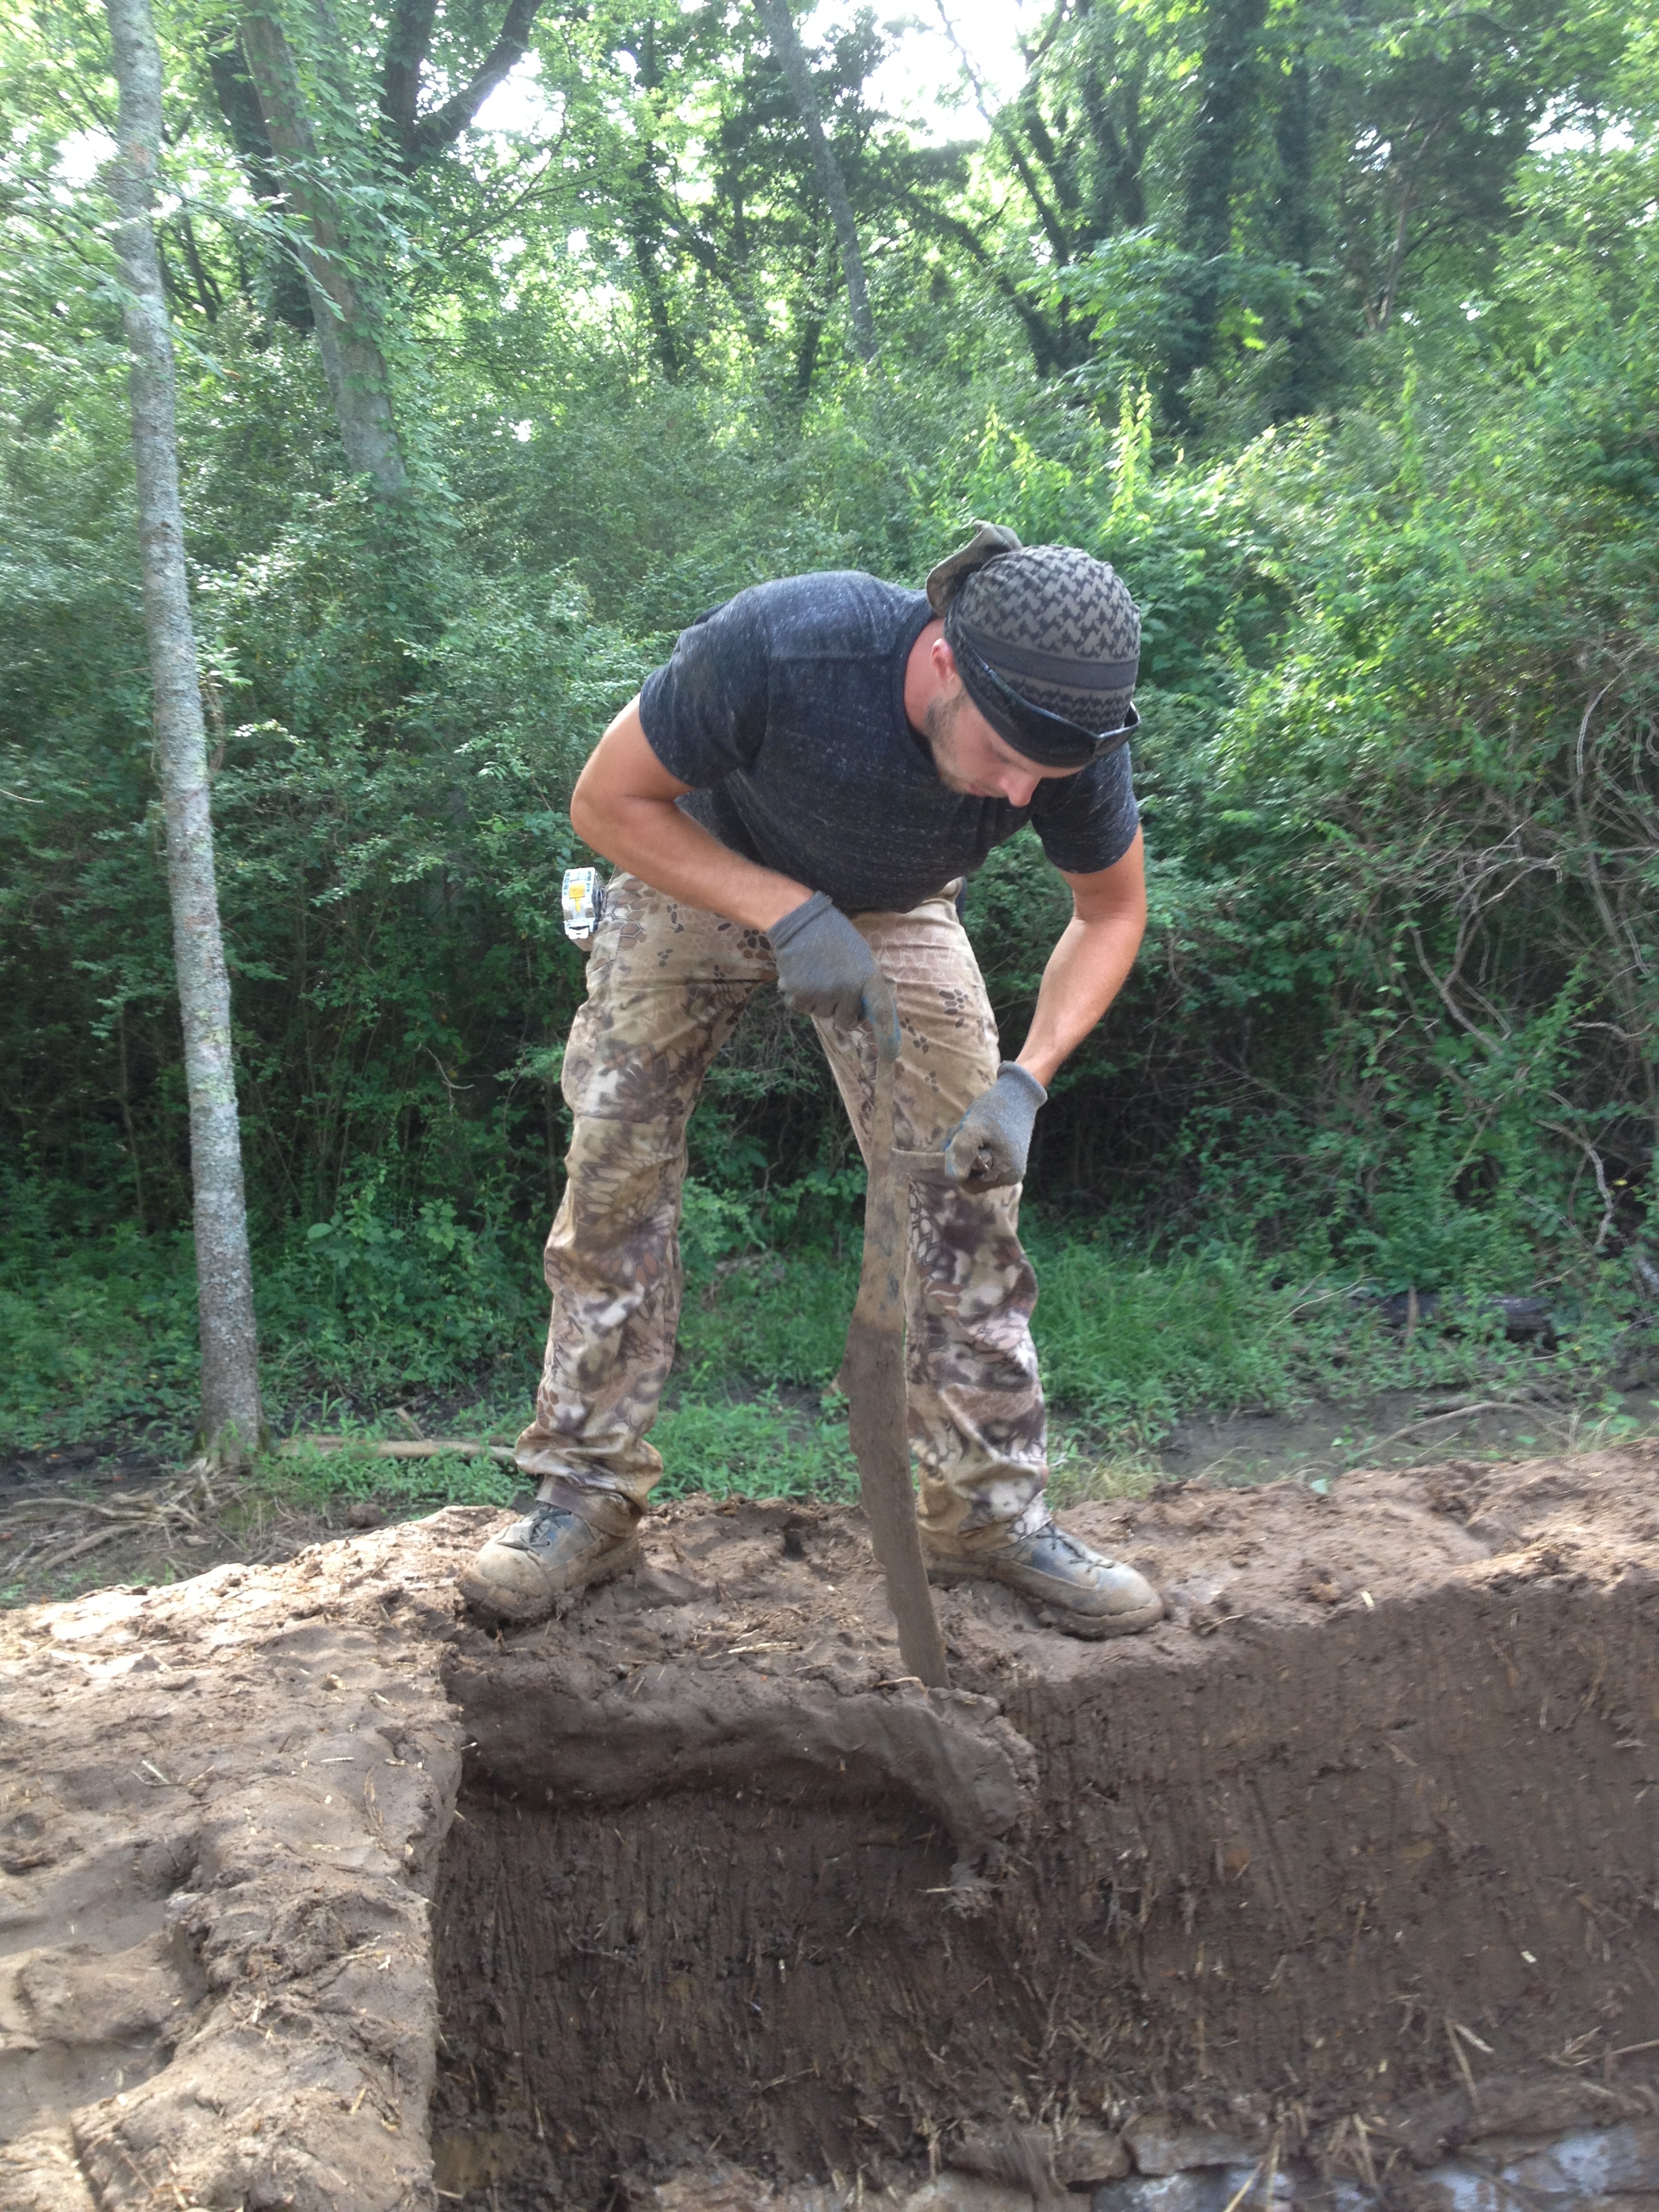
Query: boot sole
[[524, 1613], [1092, 1627]]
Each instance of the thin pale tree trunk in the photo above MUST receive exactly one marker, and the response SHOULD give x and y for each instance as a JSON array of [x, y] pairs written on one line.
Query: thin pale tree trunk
[[353, 362], [779, 28], [230, 1371]]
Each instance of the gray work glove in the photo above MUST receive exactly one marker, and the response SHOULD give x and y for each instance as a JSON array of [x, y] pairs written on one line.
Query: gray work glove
[[986, 1148], [824, 967]]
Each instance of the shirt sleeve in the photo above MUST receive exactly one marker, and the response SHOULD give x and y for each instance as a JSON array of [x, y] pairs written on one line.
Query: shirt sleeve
[[704, 710], [1088, 821]]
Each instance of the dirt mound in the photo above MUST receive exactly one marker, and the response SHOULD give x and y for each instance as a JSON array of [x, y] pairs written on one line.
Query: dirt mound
[[1349, 1853], [221, 1807]]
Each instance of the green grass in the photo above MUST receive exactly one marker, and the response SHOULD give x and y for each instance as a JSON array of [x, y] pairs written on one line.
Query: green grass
[[101, 1337], [401, 1487], [752, 1448], [99, 1333], [779, 1316], [1130, 1345]]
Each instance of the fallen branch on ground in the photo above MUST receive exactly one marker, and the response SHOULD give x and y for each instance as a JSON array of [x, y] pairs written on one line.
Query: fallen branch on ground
[[1452, 1414], [428, 1447]]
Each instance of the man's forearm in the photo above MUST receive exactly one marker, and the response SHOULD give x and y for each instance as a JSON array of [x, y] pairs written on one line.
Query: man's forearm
[[1084, 972], [624, 806], [674, 855]]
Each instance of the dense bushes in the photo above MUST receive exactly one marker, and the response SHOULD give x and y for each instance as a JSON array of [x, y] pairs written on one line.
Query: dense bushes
[[1397, 701]]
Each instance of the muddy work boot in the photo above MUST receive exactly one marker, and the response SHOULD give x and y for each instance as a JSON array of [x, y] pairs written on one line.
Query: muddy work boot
[[533, 1569], [1087, 1594]]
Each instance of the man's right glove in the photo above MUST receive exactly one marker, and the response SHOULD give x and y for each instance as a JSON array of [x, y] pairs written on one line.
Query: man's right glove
[[986, 1148], [824, 967]]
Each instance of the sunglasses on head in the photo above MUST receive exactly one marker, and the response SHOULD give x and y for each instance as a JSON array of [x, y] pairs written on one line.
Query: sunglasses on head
[[1046, 732]]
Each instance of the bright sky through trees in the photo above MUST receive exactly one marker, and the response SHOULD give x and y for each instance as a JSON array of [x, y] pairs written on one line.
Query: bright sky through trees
[[922, 81]]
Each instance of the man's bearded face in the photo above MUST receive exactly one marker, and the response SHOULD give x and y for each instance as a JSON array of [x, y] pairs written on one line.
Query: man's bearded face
[[969, 757]]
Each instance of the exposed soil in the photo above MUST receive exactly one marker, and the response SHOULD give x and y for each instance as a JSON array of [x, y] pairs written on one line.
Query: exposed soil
[[89, 1515], [1361, 1834], [1395, 1429], [221, 1807]]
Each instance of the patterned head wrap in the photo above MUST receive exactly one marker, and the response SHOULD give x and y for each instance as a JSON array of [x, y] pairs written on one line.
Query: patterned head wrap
[[1047, 642]]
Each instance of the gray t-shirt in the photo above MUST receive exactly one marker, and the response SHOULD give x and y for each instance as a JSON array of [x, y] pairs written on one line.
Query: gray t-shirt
[[784, 710]]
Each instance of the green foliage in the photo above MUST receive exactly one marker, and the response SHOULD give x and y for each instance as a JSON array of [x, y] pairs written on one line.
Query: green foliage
[[1396, 1020], [752, 1449], [99, 1324], [373, 1303], [1130, 1347], [777, 1315], [400, 1487], [376, 1308], [379, 1305]]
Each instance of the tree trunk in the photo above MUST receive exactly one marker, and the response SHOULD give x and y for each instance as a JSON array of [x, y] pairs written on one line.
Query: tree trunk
[[230, 1370], [1048, 346], [1297, 222], [282, 289], [656, 299], [1119, 195], [786, 49], [1228, 68], [346, 335]]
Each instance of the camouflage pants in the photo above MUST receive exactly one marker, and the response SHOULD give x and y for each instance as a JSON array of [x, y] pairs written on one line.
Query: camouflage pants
[[666, 983]]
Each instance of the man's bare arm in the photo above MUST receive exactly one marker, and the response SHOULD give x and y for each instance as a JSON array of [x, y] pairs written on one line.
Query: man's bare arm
[[1091, 961], [623, 806]]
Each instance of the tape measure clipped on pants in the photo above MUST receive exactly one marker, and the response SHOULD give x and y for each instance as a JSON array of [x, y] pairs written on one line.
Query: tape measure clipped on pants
[[581, 894]]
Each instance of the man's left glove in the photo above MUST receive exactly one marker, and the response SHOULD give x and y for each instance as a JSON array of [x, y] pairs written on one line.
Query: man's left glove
[[986, 1148]]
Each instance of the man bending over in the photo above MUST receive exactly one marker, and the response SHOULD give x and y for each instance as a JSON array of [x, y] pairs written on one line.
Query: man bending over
[[796, 797]]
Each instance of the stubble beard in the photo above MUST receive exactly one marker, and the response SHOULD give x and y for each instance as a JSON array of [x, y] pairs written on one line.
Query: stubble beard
[[939, 723]]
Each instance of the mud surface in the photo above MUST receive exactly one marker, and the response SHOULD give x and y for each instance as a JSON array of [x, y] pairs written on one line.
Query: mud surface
[[1402, 1429], [221, 1807], [1356, 1854]]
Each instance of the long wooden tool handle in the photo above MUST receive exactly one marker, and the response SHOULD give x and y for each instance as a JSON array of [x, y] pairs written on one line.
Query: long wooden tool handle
[[873, 1376]]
